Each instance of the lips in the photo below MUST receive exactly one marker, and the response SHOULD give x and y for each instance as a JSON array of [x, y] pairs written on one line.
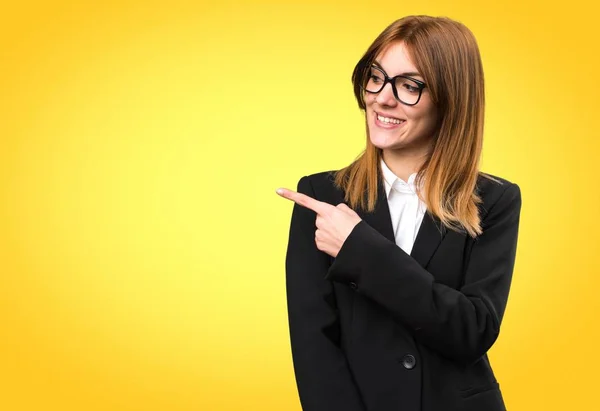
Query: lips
[[388, 116], [387, 121]]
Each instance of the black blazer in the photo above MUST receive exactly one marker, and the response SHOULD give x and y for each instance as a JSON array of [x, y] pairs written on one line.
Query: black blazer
[[376, 329]]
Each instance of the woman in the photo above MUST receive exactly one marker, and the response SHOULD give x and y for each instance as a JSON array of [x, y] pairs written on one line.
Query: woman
[[395, 298]]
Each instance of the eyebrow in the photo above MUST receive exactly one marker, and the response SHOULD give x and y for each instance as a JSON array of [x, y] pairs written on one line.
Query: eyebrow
[[410, 73]]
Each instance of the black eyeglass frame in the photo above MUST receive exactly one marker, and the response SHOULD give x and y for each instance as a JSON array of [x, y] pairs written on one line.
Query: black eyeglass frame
[[392, 81]]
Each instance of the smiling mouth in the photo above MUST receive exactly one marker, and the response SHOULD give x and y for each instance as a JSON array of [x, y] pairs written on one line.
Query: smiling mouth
[[388, 120]]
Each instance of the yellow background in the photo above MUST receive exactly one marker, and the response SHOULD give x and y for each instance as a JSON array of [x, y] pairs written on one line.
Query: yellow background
[[141, 143]]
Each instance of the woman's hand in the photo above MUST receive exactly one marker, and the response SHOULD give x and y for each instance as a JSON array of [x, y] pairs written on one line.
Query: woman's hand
[[334, 223]]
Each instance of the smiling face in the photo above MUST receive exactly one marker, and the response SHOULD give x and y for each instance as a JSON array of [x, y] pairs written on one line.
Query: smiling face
[[391, 124]]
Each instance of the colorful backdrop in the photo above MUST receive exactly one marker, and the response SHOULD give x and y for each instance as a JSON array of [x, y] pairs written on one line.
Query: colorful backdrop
[[134, 133]]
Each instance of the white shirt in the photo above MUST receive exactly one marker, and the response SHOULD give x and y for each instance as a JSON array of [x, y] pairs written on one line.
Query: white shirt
[[406, 209]]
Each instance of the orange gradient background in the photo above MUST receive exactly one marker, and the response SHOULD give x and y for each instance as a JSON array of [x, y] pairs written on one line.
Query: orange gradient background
[[141, 146]]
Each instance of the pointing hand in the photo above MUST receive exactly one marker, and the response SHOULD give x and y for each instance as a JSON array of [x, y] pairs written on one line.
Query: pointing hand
[[334, 223]]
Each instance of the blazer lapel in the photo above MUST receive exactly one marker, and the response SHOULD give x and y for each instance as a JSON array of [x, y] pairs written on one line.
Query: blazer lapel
[[430, 234]]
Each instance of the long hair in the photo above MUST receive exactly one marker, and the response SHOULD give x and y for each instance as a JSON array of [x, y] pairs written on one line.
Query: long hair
[[446, 54]]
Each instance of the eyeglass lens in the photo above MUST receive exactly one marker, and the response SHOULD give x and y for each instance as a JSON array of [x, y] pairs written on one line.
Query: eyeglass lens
[[407, 90]]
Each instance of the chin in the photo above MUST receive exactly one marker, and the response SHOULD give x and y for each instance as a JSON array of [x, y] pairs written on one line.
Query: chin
[[386, 140], [388, 145]]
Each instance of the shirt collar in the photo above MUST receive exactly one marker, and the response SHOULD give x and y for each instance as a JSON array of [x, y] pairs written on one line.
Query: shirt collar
[[392, 180]]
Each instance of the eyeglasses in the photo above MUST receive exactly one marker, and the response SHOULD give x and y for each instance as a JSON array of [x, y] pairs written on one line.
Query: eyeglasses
[[407, 90]]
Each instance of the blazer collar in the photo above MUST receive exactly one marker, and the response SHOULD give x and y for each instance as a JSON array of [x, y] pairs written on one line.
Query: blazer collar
[[430, 234]]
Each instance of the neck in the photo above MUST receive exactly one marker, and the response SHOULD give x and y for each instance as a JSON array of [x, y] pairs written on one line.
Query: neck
[[403, 163]]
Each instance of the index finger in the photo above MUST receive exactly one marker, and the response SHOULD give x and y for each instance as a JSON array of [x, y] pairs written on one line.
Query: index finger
[[317, 206]]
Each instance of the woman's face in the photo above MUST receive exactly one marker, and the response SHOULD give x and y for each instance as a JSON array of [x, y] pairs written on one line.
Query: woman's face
[[417, 123]]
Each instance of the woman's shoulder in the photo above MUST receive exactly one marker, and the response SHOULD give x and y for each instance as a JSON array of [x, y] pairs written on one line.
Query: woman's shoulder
[[322, 177], [486, 183], [490, 186], [322, 185], [499, 196]]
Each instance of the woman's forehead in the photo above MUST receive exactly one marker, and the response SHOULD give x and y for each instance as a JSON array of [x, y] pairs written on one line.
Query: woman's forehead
[[395, 59]]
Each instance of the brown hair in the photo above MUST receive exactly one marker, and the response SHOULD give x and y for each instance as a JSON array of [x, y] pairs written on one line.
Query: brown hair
[[446, 54]]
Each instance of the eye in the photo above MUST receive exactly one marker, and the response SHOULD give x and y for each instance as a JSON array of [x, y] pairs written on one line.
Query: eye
[[409, 86]]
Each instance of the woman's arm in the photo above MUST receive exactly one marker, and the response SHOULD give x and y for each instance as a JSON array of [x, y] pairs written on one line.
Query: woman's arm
[[322, 375], [460, 324]]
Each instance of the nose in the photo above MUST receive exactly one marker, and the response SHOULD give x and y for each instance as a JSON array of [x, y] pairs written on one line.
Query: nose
[[386, 96]]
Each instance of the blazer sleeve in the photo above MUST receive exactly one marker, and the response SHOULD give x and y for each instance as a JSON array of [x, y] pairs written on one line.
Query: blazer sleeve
[[322, 375], [461, 324]]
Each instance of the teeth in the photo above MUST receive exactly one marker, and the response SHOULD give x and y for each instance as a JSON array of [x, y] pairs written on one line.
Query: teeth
[[389, 120]]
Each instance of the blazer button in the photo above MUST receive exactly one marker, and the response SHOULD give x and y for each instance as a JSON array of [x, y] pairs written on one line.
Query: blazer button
[[353, 285], [409, 361]]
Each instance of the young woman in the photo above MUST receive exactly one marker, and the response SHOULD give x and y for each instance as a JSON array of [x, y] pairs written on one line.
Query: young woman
[[399, 266]]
